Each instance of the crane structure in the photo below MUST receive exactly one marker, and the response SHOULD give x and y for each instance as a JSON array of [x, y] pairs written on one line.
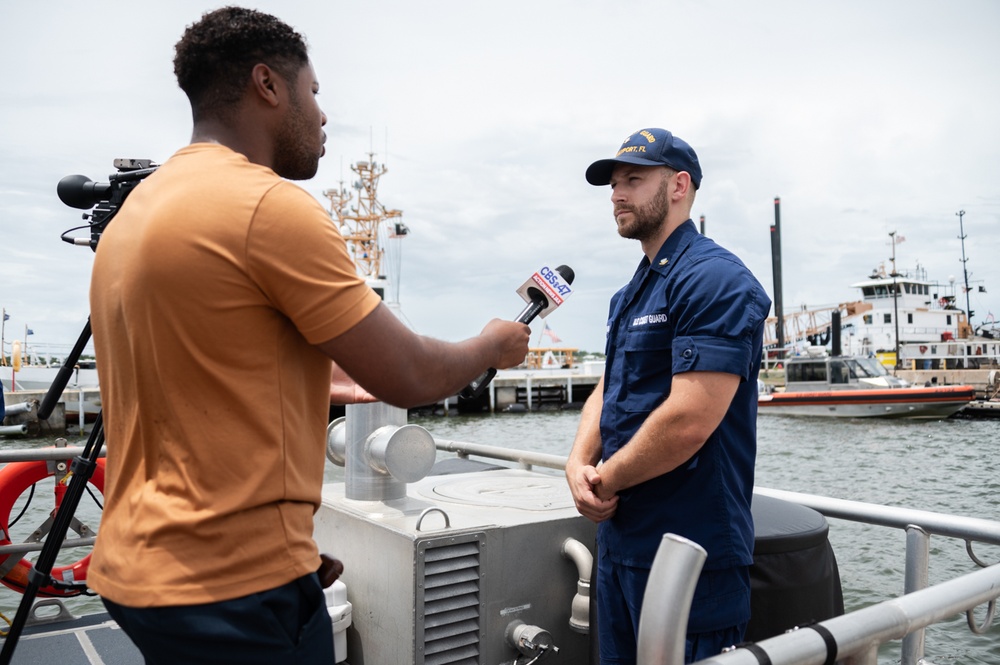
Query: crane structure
[[799, 325], [811, 325]]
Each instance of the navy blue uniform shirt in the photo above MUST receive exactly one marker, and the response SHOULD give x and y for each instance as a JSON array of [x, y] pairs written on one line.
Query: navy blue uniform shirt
[[695, 307]]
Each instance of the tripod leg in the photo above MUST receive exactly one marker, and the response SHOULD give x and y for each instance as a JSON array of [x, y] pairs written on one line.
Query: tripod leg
[[83, 468]]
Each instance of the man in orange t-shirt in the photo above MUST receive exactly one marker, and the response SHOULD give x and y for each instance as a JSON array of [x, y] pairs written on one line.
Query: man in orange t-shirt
[[219, 297]]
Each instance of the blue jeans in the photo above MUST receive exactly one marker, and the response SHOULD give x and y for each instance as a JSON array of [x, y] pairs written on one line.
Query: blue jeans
[[288, 624], [620, 590]]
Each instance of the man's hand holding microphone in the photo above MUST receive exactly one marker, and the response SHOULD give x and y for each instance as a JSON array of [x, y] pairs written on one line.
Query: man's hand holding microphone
[[510, 341], [543, 292]]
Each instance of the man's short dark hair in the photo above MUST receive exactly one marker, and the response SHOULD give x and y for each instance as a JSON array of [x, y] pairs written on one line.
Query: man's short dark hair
[[214, 57]]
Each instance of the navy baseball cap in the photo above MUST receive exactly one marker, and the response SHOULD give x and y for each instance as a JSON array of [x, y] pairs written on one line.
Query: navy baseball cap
[[649, 147]]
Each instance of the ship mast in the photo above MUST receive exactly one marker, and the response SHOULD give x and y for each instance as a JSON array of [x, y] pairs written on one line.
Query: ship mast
[[965, 269], [895, 297], [360, 222]]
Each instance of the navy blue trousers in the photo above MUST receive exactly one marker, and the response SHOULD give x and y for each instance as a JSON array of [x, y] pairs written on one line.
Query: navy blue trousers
[[288, 624]]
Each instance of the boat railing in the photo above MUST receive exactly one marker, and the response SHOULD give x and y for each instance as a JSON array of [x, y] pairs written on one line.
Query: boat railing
[[524, 458], [858, 634], [901, 618], [952, 354], [854, 638], [42, 454], [957, 353]]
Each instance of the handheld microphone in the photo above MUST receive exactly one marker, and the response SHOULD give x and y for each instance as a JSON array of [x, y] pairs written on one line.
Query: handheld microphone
[[544, 291]]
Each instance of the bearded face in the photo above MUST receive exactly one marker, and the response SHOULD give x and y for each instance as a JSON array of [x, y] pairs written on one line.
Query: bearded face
[[644, 221], [299, 141]]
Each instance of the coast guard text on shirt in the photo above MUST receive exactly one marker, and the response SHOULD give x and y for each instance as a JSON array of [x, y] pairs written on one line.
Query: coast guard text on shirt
[[649, 319]]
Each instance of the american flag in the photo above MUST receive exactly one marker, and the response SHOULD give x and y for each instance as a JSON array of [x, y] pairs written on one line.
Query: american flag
[[551, 334]]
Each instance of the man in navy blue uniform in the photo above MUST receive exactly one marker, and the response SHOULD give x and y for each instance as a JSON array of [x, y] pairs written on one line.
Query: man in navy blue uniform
[[667, 441]]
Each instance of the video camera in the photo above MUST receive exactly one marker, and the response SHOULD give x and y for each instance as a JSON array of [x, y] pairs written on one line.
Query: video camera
[[79, 191]]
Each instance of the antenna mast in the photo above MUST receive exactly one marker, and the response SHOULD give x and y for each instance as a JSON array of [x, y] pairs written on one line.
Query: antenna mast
[[895, 297], [360, 223], [965, 270]]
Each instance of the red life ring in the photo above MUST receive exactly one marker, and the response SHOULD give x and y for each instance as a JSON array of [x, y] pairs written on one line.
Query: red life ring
[[15, 478]]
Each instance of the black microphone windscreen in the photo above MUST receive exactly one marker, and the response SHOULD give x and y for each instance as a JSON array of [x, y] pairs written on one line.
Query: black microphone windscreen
[[567, 273], [79, 191]]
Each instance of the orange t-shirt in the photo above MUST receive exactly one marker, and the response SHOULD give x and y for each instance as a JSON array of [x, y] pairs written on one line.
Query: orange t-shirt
[[210, 289]]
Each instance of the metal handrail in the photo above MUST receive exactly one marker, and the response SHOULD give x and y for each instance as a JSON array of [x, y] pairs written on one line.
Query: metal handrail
[[919, 525], [525, 458], [968, 528], [857, 635], [24, 548], [44, 454]]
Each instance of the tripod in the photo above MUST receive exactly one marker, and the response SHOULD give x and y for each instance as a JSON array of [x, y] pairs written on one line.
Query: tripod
[[82, 469], [76, 191]]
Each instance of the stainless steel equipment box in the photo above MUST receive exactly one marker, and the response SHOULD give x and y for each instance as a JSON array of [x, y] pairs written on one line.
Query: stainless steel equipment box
[[441, 575]]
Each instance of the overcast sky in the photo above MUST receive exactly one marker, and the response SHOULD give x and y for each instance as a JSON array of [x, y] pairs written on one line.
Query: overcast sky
[[864, 117]]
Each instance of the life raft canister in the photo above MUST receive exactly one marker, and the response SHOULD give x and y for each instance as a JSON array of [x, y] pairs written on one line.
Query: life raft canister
[[15, 478]]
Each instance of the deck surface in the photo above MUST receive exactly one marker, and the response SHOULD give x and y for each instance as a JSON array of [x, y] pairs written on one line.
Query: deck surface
[[91, 640]]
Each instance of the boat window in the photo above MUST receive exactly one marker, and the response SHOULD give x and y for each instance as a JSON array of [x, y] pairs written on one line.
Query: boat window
[[838, 371], [887, 318], [793, 372], [878, 368], [807, 371], [857, 369], [866, 367]]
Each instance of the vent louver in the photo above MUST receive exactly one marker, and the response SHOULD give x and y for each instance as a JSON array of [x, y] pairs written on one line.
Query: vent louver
[[451, 606]]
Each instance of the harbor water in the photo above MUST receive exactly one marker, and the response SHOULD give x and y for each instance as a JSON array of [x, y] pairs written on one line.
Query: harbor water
[[947, 466]]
